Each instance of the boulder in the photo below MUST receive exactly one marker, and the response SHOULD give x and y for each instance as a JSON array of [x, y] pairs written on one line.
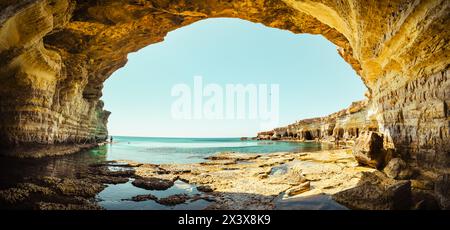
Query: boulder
[[368, 150], [146, 197], [173, 199], [153, 183], [398, 169]]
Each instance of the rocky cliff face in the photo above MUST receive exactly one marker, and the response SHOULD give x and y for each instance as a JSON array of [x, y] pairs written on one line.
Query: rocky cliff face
[[56, 54], [344, 126]]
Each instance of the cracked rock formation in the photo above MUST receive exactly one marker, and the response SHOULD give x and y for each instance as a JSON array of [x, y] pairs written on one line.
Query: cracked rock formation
[[56, 54]]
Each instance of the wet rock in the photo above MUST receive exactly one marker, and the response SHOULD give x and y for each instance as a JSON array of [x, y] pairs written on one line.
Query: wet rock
[[295, 190], [202, 197], [60, 206], [79, 188], [204, 188], [376, 191], [13, 195], [368, 150], [173, 199], [22, 192], [51, 193], [109, 179], [153, 183], [111, 172], [398, 169], [118, 173], [146, 197], [74, 187], [209, 198], [442, 191]]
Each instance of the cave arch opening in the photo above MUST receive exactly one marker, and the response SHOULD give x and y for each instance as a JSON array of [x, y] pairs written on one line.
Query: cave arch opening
[[314, 80], [308, 136], [75, 47]]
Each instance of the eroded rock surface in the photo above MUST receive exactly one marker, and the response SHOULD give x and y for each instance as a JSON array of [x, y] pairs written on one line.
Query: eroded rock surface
[[259, 182]]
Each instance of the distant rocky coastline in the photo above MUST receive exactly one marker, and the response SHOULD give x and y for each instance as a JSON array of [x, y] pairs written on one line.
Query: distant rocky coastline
[[343, 126]]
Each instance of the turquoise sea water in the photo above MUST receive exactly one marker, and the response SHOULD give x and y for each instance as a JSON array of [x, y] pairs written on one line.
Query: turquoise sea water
[[190, 150]]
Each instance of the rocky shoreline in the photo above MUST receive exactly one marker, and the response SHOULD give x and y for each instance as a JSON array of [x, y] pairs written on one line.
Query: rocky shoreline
[[234, 181]]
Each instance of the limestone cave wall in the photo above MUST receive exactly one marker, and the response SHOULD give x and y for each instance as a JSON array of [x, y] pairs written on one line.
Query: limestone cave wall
[[56, 54]]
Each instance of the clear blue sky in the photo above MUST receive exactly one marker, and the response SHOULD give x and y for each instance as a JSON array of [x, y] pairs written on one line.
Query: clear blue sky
[[313, 79]]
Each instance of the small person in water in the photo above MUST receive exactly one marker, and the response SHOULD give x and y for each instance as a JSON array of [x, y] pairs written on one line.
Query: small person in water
[[111, 140]]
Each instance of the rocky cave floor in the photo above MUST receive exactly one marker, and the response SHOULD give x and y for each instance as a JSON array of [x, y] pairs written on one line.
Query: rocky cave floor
[[234, 181]]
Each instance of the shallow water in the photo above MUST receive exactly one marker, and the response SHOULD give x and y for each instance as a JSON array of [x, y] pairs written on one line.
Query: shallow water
[[14, 170], [116, 197], [145, 150], [315, 202]]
